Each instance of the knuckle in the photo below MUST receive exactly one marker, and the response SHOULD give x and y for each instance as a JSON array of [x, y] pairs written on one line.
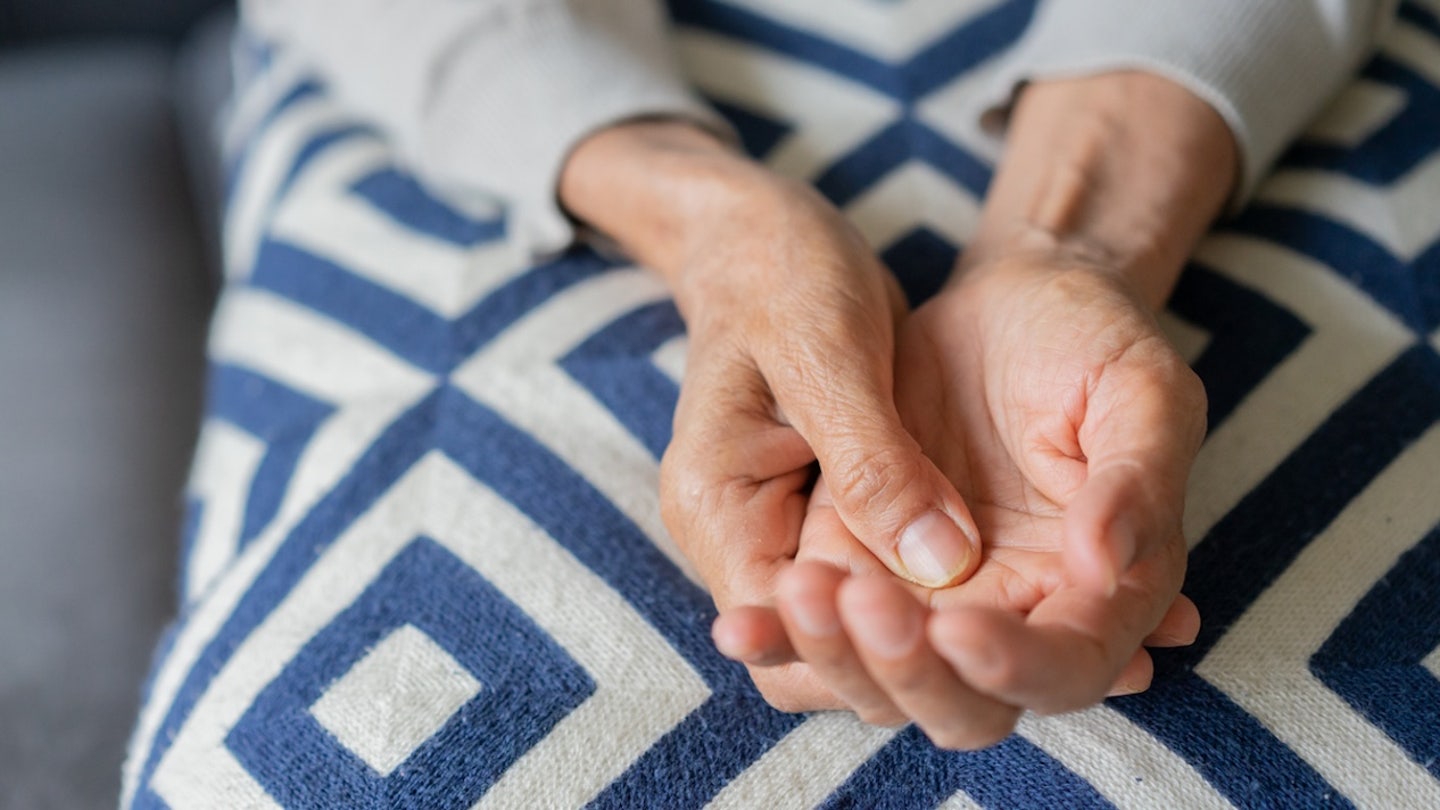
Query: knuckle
[[870, 482], [683, 484], [689, 495], [1170, 373], [677, 475]]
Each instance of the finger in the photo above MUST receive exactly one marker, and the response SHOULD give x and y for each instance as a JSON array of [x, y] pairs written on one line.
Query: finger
[[732, 481], [825, 538], [1139, 453], [794, 688], [754, 635], [1135, 677], [1179, 627], [807, 607], [887, 492], [1064, 656], [888, 627]]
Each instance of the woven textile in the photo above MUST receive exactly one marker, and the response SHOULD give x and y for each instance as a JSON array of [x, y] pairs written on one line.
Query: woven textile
[[424, 564]]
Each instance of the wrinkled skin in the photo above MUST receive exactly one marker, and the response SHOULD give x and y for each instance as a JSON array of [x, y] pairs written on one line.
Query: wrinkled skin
[[1043, 389]]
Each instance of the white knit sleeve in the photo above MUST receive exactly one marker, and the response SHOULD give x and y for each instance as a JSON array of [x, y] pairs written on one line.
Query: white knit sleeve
[[491, 95], [1266, 66]]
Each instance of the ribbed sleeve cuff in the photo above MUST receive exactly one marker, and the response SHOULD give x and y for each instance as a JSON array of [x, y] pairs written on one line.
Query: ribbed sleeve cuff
[[1266, 67], [508, 113]]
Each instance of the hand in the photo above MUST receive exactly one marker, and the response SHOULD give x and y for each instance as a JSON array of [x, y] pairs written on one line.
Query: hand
[[1040, 384], [791, 322], [1044, 390]]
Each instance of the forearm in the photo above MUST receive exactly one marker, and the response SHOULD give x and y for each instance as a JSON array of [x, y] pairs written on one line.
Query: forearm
[[646, 184], [1124, 170]]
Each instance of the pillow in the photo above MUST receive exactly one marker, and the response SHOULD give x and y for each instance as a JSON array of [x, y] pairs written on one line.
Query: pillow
[[424, 564]]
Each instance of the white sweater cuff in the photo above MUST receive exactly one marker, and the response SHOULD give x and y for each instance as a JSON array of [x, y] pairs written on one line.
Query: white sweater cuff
[[507, 114], [1266, 67]]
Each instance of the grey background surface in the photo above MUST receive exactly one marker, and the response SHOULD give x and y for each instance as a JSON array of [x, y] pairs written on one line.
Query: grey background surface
[[104, 295]]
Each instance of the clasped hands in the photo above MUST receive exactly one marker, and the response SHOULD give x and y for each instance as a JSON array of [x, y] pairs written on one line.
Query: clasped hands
[[1000, 531], [944, 517]]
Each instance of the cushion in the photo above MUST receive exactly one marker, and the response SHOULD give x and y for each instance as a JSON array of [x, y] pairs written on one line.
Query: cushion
[[425, 565]]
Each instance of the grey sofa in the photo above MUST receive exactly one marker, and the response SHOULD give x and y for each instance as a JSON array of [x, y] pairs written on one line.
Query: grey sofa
[[106, 215]]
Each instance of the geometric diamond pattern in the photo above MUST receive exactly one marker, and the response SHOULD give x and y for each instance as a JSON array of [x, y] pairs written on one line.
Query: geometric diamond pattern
[[426, 564], [395, 698]]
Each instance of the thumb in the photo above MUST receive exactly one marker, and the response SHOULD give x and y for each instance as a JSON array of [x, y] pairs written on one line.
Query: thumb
[[886, 491], [1132, 502]]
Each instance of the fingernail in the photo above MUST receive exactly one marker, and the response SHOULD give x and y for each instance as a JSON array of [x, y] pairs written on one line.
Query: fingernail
[[887, 634], [1126, 689], [726, 641], [933, 549]]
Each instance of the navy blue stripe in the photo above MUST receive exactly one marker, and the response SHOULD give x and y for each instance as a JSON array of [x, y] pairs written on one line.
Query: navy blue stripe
[[283, 418], [404, 200], [1394, 149], [582, 520], [312, 149], [1263, 534], [1411, 291], [691, 763], [377, 469], [754, 29], [529, 683], [1249, 336], [921, 261], [910, 772], [410, 330], [235, 165], [318, 144], [615, 365], [258, 404], [579, 518], [759, 134], [1420, 16], [518, 297], [892, 147], [1372, 660], [931, 68], [1249, 548], [967, 46], [189, 533], [1230, 748], [269, 483]]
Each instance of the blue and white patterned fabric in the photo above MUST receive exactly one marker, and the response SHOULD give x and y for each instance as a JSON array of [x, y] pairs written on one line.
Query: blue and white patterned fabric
[[425, 565]]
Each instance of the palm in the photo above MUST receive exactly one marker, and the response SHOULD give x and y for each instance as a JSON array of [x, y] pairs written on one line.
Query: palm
[[1046, 394], [1011, 382]]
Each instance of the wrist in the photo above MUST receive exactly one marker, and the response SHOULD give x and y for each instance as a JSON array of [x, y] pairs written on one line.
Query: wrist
[[652, 186], [1123, 171]]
